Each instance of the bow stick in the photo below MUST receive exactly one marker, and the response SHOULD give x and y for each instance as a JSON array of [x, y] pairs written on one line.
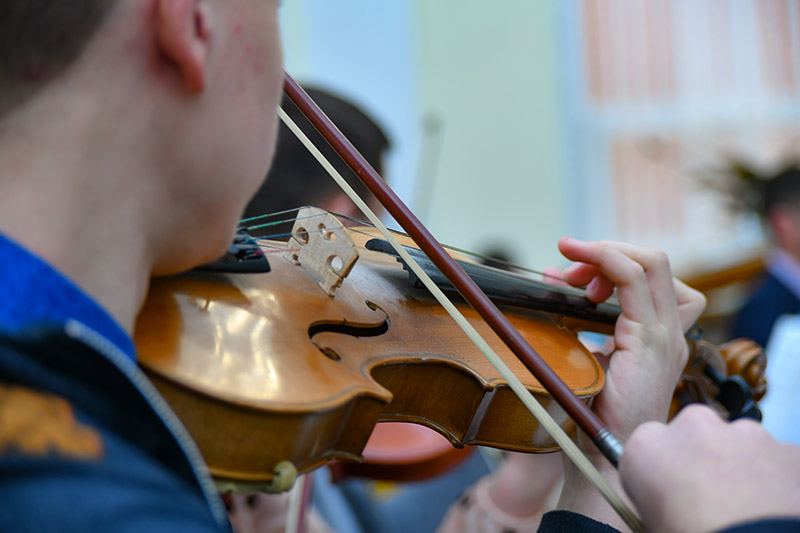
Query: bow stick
[[605, 441]]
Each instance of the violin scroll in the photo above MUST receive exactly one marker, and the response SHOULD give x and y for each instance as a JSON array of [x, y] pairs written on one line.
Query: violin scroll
[[730, 378], [747, 359]]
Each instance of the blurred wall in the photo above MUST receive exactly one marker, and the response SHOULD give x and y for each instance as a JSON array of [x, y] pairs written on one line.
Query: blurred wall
[[489, 74], [491, 176], [361, 50], [515, 122], [661, 97]]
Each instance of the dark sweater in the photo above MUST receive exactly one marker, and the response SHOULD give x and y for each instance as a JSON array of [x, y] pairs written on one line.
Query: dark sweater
[[769, 301], [567, 522], [86, 444]]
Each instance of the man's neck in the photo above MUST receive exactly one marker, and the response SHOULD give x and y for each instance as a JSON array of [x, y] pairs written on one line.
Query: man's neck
[[66, 199]]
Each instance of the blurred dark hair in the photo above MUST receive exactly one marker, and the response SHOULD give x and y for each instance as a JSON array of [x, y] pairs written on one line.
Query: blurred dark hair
[[41, 38], [783, 188], [753, 191], [295, 178]]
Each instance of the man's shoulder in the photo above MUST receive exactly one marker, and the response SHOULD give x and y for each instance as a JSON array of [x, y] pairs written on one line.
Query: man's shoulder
[[76, 424], [772, 291], [770, 300], [47, 360]]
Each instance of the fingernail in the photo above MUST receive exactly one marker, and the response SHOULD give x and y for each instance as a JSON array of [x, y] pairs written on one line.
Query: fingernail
[[571, 239], [592, 285]]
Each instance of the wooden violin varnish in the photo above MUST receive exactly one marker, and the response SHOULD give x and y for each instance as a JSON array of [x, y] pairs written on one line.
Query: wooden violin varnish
[[267, 368]]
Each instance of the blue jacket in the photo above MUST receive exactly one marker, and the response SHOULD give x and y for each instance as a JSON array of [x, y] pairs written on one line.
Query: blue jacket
[[87, 444]]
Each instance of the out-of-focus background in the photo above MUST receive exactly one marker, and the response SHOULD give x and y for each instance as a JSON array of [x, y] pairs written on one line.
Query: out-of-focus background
[[516, 122], [513, 123]]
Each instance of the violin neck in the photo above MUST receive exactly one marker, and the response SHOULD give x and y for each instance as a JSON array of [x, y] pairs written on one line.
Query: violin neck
[[509, 288]]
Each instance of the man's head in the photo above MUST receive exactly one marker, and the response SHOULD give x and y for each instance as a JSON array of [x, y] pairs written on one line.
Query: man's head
[[159, 111], [781, 208], [296, 179], [39, 39]]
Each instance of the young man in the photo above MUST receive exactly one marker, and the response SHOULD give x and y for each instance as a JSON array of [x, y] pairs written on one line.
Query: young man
[[132, 133]]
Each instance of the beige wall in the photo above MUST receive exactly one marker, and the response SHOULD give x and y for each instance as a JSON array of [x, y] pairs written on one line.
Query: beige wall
[[488, 72]]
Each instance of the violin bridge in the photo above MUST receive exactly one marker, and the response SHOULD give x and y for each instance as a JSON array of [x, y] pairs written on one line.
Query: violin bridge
[[321, 245]]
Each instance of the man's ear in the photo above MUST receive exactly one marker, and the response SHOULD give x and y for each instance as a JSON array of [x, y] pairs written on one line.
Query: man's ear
[[182, 30]]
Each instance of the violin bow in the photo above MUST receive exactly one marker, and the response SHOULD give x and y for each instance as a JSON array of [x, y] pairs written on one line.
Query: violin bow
[[604, 440]]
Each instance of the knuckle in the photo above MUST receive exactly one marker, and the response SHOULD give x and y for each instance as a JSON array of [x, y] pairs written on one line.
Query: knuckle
[[697, 416], [643, 437], [603, 247], [635, 272], [748, 427], [658, 258], [681, 349]]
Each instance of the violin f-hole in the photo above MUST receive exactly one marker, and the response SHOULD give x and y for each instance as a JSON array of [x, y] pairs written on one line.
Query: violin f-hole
[[349, 328]]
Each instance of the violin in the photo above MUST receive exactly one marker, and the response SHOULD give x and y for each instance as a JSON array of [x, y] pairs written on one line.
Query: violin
[[571, 399], [267, 368], [282, 371]]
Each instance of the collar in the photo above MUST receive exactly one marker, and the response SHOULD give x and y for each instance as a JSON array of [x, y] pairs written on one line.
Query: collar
[[32, 291]]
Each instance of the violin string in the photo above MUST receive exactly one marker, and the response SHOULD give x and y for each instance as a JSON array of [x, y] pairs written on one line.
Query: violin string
[[263, 225], [475, 255], [541, 414], [266, 249], [509, 266], [476, 275], [268, 215]]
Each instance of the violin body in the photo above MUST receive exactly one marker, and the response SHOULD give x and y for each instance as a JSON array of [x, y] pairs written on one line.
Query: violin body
[[267, 368], [286, 370]]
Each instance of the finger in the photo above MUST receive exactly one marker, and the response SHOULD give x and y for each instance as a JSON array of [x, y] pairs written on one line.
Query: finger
[[553, 276], [659, 276], [645, 440], [695, 419], [643, 449], [628, 275], [580, 274], [598, 287], [691, 304]]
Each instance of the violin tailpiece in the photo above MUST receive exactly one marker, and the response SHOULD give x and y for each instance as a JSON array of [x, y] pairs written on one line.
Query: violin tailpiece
[[321, 245]]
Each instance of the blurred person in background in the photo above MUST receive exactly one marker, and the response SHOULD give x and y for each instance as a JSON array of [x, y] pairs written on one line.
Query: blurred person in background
[[296, 179], [778, 204], [770, 316]]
